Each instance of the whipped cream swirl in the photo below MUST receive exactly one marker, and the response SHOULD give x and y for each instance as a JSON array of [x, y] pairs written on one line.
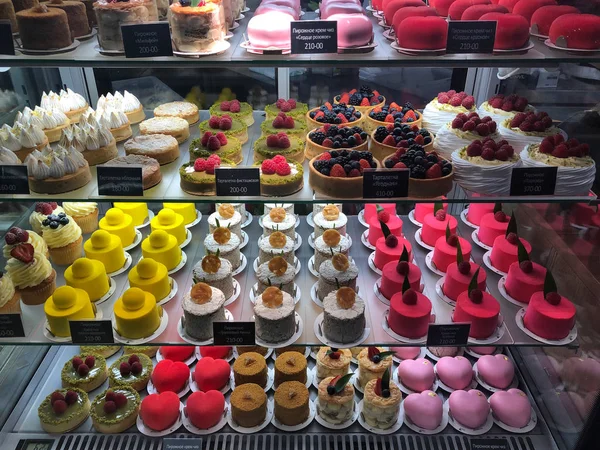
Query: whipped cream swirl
[[46, 119], [126, 102], [56, 163], [64, 101]]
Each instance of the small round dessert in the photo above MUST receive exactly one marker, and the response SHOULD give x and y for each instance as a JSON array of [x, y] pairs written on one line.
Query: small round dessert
[[410, 314], [64, 410], [462, 131], [85, 372], [381, 409], [271, 145], [250, 367], [505, 251], [172, 126], [252, 348], [163, 248], [171, 222], [291, 403], [105, 248], [392, 222], [480, 309], [163, 148], [434, 227], [332, 362], [371, 210], [389, 249], [512, 30], [227, 217], [149, 350], [335, 407], [291, 348], [290, 106], [230, 127], [446, 249], [202, 306], [422, 33], [238, 110], [511, 407], [279, 220], [403, 353], [328, 244], [363, 99], [170, 376], [372, 364], [280, 177], [455, 372], [335, 273], [330, 218], [90, 276], [105, 351], [184, 110], [496, 370], [216, 272], [393, 275], [343, 316], [248, 405], [469, 408], [136, 314], [527, 128], [476, 211], [387, 137], [416, 404], [476, 11], [274, 315], [290, 366], [550, 316], [286, 124], [322, 139], [38, 23], [327, 113], [198, 177], [226, 243], [151, 276], [444, 108], [276, 272], [115, 410], [417, 375], [131, 370], [524, 279], [492, 225], [458, 277], [275, 244], [224, 147]]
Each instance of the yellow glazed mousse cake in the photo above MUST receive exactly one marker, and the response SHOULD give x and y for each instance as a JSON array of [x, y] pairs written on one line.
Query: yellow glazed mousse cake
[[151, 276], [117, 223], [63, 237], [171, 222], [107, 249], [162, 248], [136, 314], [185, 210], [67, 303], [137, 210], [90, 276]]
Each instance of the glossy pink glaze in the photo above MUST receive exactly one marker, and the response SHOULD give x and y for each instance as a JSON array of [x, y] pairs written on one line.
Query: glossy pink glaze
[[417, 374], [455, 371], [375, 232], [504, 253], [444, 254], [424, 409], [490, 229], [433, 228], [385, 254], [456, 283], [496, 370], [392, 281], [511, 407], [520, 285]]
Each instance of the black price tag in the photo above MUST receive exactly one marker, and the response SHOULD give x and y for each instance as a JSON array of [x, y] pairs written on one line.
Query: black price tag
[[13, 179], [91, 332], [448, 334], [314, 36], [489, 444], [119, 180], [182, 444], [238, 181], [147, 39], [7, 45], [11, 326], [533, 181], [471, 36], [35, 444], [234, 333], [385, 183]]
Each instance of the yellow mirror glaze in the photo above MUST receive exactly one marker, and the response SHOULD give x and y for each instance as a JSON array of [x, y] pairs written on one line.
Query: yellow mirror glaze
[[162, 248], [89, 275], [137, 211], [136, 314], [150, 276], [119, 224], [185, 210], [170, 222], [67, 303], [147, 268], [107, 249]]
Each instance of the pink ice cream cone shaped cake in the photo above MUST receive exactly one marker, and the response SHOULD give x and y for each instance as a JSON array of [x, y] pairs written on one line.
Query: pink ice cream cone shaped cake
[[505, 250], [446, 248], [410, 313], [493, 225], [434, 226], [389, 248], [393, 275], [392, 221], [524, 277]]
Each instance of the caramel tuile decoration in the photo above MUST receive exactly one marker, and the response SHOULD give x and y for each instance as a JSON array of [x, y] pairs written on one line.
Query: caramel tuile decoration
[[277, 215], [278, 266], [272, 297], [201, 293], [226, 210], [331, 238], [331, 212], [277, 239], [340, 262], [346, 297]]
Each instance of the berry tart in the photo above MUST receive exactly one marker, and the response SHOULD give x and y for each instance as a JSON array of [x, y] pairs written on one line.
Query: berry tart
[[271, 145], [338, 114], [410, 312], [198, 177], [231, 127], [115, 410], [463, 130], [385, 139], [576, 169], [330, 136], [363, 99], [216, 144], [485, 166], [279, 177], [132, 370], [290, 107], [500, 107], [506, 248], [340, 173], [477, 307], [527, 128], [445, 107], [381, 116], [85, 372], [285, 123], [335, 402], [64, 410], [235, 109]]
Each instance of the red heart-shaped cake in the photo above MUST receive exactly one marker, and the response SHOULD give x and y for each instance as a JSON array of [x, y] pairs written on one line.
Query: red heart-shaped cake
[[170, 376], [160, 411], [205, 409], [177, 353], [211, 374], [216, 352]]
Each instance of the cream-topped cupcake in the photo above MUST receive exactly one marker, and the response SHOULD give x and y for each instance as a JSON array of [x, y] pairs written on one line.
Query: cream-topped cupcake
[[20, 236], [85, 215], [32, 275], [40, 212], [63, 236], [9, 297]]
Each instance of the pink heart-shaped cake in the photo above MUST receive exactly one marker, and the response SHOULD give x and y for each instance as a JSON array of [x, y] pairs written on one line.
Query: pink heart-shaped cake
[[496, 370], [424, 409], [211, 374], [511, 407], [205, 409], [455, 371], [170, 376], [160, 411], [216, 352], [176, 352], [406, 352], [469, 408], [416, 374]]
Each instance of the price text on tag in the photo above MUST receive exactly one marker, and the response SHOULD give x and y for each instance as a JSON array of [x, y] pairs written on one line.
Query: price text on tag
[[455, 334], [147, 39], [385, 183], [314, 36], [489, 444], [91, 332], [118, 180], [533, 181], [234, 333], [11, 326], [238, 181], [13, 179], [471, 36], [182, 444]]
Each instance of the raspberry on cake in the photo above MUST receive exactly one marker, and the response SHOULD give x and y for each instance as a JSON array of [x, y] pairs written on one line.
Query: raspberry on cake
[[462, 130], [392, 114], [444, 108], [376, 225], [389, 248], [506, 248], [458, 7], [422, 33], [198, 177], [291, 107], [394, 273], [500, 107], [235, 109], [283, 122], [435, 225], [279, 177], [388, 137], [543, 18], [527, 128], [330, 136], [493, 225], [524, 277], [230, 127], [362, 99], [338, 114], [219, 144], [410, 312], [290, 147], [446, 249], [459, 275]]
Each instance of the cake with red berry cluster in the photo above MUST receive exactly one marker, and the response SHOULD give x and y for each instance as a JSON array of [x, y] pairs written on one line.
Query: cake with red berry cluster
[[446, 249], [216, 144], [339, 114], [329, 137], [543, 17], [458, 276], [279, 177], [285, 123], [290, 107], [485, 166], [422, 33], [527, 128], [578, 31], [362, 99], [394, 273], [230, 127], [64, 410], [410, 312], [339, 173], [524, 277], [576, 168], [463, 130], [392, 113], [500, 107], [85, 371], [389, 248], [435, 225], [386, 139], [16, 236], [377, 223], [198, 177], [445, 107], [506, 247], [235, 109], [267, 147], [493, 225]]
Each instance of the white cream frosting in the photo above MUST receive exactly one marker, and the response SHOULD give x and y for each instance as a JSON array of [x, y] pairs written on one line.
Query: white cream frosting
[[79, 209], [88, 135], [54, 163], [449, 139], [436, 115], [289, 221], [31, 274], [521, 139], [39, 245], [125, 102], [110, 118], [46, 119], [7, 290], [21, 136], [8, 157], [499, 115], [64, 101]]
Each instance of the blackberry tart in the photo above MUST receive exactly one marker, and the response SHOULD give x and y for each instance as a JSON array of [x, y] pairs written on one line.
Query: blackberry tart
[[339, 114], [385, 140], [363, 99], [290, 147], [384, 115], [330, 136]]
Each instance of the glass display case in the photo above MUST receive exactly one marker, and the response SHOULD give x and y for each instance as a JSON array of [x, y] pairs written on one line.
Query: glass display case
[[425, 223]]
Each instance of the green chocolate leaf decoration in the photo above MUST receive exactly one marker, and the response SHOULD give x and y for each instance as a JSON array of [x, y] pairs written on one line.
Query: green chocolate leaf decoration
[[342, 382], [378, 208], [497, 207], [437, 207], [385, 229], [512, 225], [447, 230], [218, 223], [522, 251], [473, 283], [386, 354], [459, 253], [405, 285], [549, 284], [404, 254], [385, 379]]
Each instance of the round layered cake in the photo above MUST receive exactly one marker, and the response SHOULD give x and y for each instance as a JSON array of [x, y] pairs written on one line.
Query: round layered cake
[[274, 315], [276, 272], [202, 306], [343, 316], [216, 272], [334, 273], [409, 314], [276, 244]]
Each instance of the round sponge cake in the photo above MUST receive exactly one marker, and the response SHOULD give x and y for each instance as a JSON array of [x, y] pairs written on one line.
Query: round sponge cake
[[390, 8], [580, 31], [512, 30], [476, 11], [411, 11], [543, 17], [423, 33], [457, 8], [526, 8]]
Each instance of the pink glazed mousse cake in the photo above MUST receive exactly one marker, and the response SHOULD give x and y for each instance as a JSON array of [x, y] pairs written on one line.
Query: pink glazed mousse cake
[[424, 209], [445, 251], [435, 225], [492, 225], [459, 275], [505, 251], [393, 222], [393, 277], [389, 250], [524, 279]]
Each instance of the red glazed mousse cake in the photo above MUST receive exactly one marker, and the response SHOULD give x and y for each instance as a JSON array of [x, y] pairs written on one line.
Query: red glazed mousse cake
[[392, 278], [441, 6], [446, 248], [512, 30], [410, 314], [411, 11], [480, 309], [524, 279], [424, 209], [476, 11], [392, 221], [508, 4], [505, 251], [526, 8], [492, 225], [422, 33], [580, 31], [542, 18], [390, 8], [388, 249], [458, 7], [371, 210], [459, 275], [476, 211], [434, 226], [550, 315]]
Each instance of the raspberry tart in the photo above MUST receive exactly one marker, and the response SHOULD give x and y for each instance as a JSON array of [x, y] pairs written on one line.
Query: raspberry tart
[[362, 99], [505, 248], [446, 249], [386, 139], [500, 107], [198, 177], [279, 177], [493, 225], [291, 107], [329, 137], [241, 111], [445, 107], [115, 410], [389, 248], [132, 370], [288, 146], [231, 127], [527, 128], [576, 168], [338, 114], [463, 130], [85, 371], [394, 273], [216, 144], [436, 224], [410, 312], [524, 277], [392, 113], [64, 410]]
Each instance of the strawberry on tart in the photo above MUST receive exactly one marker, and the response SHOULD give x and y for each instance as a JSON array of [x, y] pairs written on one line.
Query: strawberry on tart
[[230, 127], [506, 247], [279, 177], [394, 273], [389, 248], [524, 277], [434, 226], [445, 107], [501, 107], [290, 106], [391, 221], [458, 276], [330, 137], [216, 144], [527, 128], [493, 225], [235, 109], [410, 312], [381, 116], [271, 145], [446, 249], [362, 99], [462, 131]]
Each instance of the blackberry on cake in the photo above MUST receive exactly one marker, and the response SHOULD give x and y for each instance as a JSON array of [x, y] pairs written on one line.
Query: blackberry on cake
[[364, 97], [330, 136], [386, 138], [383, 115], [337, 114]]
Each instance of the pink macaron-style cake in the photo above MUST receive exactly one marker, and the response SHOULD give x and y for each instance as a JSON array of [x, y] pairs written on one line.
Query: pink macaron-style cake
[[524, 277], [446, 248], [410, 313], [424, 209], [434, 225], [393, 275], [389, 247], [505, 250], [459, 275], [493, 225], [392, 221], [549, 315], [470, 408]]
